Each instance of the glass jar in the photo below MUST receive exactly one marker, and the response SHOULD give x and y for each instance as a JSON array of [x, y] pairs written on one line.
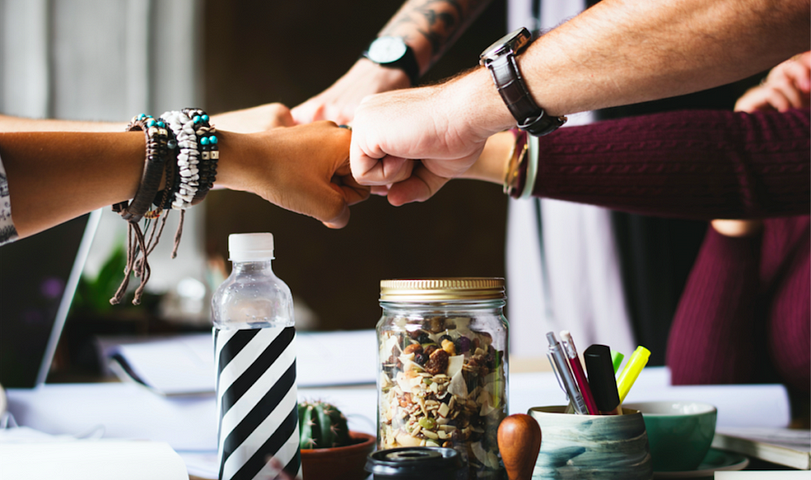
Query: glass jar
[[443, 359]]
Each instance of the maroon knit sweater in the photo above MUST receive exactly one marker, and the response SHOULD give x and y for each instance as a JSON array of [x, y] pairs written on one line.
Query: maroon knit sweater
[[744, 315]]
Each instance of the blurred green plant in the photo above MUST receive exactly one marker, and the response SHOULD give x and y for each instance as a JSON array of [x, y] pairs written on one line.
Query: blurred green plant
[[93, 294]]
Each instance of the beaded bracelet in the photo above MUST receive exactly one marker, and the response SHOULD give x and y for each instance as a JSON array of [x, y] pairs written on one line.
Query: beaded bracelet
[[187, 158], [209, 152]]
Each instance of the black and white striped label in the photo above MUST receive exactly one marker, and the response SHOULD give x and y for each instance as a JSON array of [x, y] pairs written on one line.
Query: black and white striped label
[[256, 402]]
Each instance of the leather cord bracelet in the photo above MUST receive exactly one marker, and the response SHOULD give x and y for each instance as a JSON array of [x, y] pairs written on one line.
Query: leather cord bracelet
[[138, 248], [157, 137]]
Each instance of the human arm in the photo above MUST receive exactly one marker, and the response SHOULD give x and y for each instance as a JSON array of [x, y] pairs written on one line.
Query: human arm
[[56, 176], [786, 86], [247, 120], [429, 27], [693, 164], [617, 52]]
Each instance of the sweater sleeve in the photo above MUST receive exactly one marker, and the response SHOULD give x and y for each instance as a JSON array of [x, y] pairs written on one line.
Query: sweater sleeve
[[698, 164]]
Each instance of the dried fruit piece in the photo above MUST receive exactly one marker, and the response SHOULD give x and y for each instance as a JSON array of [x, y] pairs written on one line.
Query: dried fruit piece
[[437, 362], [463, 344], [413, 348]]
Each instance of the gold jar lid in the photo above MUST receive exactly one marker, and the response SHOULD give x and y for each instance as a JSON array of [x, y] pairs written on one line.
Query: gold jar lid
[[441, 289]]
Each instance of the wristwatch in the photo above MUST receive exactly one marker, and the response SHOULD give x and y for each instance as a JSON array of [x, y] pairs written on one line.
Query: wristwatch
[[392, 52], [499, 58]]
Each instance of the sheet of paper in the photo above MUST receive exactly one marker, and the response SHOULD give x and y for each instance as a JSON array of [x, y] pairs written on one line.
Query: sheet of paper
[[122, 410], [91, 460], [185, 364]]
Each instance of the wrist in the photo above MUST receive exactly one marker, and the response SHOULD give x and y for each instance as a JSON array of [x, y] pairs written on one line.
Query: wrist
[[230, 170], [488, 114], [385, 78]]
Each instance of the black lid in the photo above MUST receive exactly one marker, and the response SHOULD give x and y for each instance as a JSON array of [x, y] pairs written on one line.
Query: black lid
[[601, 377], [425, 463]]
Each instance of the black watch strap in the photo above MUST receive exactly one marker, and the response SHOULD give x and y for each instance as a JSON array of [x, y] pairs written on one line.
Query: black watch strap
[[513, 91], [407, 63]]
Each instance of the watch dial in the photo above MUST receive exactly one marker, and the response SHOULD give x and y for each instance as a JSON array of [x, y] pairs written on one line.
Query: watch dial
[[387, 49]]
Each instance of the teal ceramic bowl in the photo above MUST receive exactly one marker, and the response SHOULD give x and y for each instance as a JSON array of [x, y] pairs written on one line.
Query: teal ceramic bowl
[[591, 447], [679, 433]]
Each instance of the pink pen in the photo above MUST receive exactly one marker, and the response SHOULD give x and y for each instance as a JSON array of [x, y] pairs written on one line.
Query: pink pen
[[577, 370]]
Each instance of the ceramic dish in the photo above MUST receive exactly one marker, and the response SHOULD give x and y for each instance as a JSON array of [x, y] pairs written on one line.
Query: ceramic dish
[[716, 460]]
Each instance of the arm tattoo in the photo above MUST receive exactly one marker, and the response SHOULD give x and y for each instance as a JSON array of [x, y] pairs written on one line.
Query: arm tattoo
[[438, 21]]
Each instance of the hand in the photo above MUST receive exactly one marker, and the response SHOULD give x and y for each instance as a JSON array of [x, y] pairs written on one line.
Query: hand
[[339, 101], [787, 86], [437, 125], [304, 169], [255, 119]]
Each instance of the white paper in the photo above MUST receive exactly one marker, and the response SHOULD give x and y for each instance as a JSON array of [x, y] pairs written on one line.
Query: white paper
[[185, 364], [122, 410], [91, 460]]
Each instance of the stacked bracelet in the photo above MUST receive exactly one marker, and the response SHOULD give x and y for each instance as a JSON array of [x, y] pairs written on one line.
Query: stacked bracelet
[[182, 146]]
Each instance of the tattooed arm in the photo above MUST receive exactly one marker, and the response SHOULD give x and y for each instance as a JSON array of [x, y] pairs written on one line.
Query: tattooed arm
[[429, 27]]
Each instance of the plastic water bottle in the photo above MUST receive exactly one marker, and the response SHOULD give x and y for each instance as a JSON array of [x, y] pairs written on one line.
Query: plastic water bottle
[[254, 344]]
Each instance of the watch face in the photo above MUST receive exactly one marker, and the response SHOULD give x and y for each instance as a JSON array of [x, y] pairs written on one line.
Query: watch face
[[386, 50], [512, 42]]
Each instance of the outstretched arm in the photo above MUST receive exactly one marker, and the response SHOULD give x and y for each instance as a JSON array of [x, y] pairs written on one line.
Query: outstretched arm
[[429, 27], [56, 176], [617, 52]]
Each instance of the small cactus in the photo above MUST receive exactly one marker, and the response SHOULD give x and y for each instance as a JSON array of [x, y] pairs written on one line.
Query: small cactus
[[321, 425]]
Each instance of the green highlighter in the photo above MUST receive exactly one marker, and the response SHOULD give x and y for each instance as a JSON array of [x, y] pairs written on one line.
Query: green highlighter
[[616, 359]]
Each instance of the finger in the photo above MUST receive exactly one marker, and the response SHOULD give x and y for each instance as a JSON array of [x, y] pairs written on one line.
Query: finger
[[352, 191], [339, 218], [421, 186], [800, 74], [382, 190], [778, 100], [307, 112], [380, 171], [284, 118]]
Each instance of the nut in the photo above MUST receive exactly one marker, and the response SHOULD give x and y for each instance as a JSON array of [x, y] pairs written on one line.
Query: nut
[[413, 348], [437, 362], [435, 324], [448, 346]]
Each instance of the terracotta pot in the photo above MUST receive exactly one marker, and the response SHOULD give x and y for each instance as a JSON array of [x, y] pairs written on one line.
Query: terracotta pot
[[338, 463]]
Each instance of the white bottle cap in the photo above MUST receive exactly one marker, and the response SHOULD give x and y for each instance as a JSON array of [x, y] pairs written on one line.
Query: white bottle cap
[[244, 247]]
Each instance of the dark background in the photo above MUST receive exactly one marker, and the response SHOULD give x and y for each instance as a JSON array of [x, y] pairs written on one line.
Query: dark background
[[257, 52]]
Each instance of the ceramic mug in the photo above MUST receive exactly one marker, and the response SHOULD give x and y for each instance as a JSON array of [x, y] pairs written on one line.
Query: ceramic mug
[[679, 433], [591, 447]]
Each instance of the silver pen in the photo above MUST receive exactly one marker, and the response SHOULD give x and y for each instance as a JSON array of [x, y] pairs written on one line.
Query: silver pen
[[557, 355]]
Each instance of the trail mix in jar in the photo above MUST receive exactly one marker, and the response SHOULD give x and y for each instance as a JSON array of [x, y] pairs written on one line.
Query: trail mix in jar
[[442, 384]]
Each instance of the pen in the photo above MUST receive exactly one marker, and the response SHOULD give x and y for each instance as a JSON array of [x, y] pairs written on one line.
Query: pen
[[557, 356], [631, 371], [616, 358], [577, 370], [601, 379]]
